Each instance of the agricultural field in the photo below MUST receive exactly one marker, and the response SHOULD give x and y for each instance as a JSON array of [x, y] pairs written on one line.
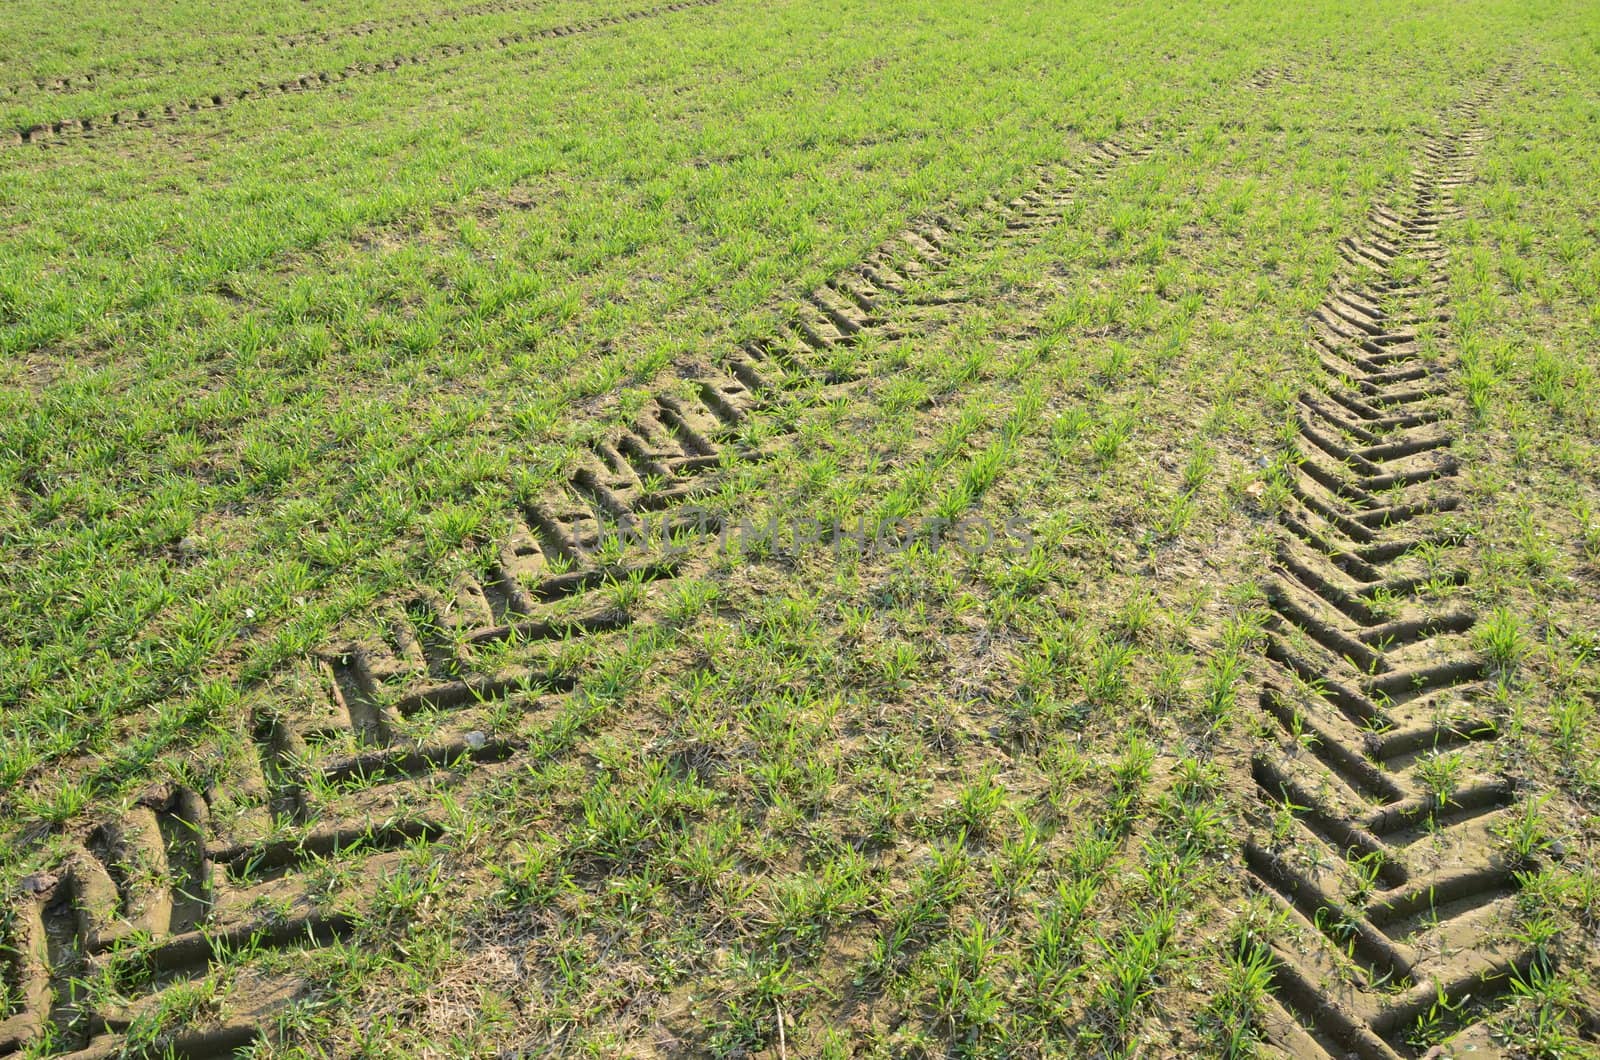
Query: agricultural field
[[626, 528]]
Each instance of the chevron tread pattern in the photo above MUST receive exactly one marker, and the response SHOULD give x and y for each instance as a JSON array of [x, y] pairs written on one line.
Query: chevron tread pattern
[[625, 511], [185, 874], [152, 897], [72, 128], [1374, 684]]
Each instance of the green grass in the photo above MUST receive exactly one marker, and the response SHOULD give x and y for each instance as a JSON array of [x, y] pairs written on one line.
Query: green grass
[[269, 372]]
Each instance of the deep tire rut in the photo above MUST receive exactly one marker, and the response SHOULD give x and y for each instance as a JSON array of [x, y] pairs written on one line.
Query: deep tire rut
[[150, 900], [1386, 843]]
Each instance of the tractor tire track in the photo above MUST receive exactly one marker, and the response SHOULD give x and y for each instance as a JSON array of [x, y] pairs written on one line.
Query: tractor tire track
[[152, 899], [150, 65], [72, 128], [1272, 77], [636, 485], [539, 593], [1368, 682], [262, 835]]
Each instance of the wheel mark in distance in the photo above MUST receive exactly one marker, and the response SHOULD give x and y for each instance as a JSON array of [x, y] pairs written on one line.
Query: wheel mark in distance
[[67, 128], [151, 63]]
